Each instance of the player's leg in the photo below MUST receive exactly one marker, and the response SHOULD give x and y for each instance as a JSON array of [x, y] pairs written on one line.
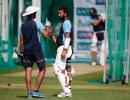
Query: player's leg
[[94, 49], [40, 78], [103, 49], [60, 71], [63, 79], [41, 65], [69, 70], [28, 63], [28, 79], [103, 53]]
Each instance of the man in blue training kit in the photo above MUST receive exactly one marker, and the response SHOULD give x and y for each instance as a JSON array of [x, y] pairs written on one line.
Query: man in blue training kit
[[61, 67], [31, 49]]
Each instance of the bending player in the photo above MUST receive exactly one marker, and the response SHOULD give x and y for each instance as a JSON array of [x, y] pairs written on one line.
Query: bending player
[[62, 67]]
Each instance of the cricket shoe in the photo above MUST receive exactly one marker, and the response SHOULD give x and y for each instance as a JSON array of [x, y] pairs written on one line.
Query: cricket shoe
[[62, 95]]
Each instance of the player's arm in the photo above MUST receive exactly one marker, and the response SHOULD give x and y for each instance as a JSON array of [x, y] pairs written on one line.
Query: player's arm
[[67, 31], [21, 45], [66, 45], [101, 19], [42, 29], [93, 22], [21, 42], [44, 33], [96, 22], [51, 33], [67, 41], [54, 38]]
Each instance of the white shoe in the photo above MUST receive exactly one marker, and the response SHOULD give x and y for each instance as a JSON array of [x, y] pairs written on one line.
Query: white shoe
[[62, 95], [68, 94], [93, 63]]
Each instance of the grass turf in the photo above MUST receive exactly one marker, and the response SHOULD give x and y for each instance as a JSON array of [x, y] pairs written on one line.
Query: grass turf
[[78, 94], [82, 89]]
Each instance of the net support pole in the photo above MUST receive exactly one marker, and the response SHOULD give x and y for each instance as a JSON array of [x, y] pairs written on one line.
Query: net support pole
[[5, 24], [128, 60], [106, 43]]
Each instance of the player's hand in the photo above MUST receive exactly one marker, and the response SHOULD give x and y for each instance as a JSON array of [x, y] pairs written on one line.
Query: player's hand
[[51, 33], [63, 54], [21, 49], [48, 23], [103, 16]]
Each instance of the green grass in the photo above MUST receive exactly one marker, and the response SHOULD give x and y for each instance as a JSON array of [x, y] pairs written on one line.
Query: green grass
[[16, 69], [78, 94], [82, 88]]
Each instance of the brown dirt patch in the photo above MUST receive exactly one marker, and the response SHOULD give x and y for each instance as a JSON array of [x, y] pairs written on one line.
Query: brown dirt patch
[[93, 87], [80, 68]]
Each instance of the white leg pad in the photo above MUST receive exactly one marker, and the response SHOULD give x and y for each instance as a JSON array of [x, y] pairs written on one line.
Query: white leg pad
[[94, 43], [103, 53], [59, 69], [62, 77], [56, 69]]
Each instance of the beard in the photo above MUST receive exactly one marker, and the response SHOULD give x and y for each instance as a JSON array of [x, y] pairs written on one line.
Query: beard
[[62, 18]]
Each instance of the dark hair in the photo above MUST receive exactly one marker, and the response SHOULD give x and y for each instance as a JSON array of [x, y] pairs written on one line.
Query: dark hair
[[65, 9], [33, 14], [92, 11]]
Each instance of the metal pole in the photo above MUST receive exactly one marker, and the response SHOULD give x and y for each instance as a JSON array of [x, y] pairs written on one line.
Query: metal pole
[[128, 61], [129, 36], [5, 24], [126, 51], [0, 18], [21, 8], [105, 52]]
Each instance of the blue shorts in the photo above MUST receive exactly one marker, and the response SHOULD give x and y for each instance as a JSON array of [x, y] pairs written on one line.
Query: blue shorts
[[29, 60]]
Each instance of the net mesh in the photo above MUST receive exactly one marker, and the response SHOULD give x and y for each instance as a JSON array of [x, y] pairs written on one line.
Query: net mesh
[[118, 37]]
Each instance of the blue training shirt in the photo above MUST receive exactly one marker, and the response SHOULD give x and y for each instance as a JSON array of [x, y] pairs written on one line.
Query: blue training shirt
[[66, 28], [40, 27]]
